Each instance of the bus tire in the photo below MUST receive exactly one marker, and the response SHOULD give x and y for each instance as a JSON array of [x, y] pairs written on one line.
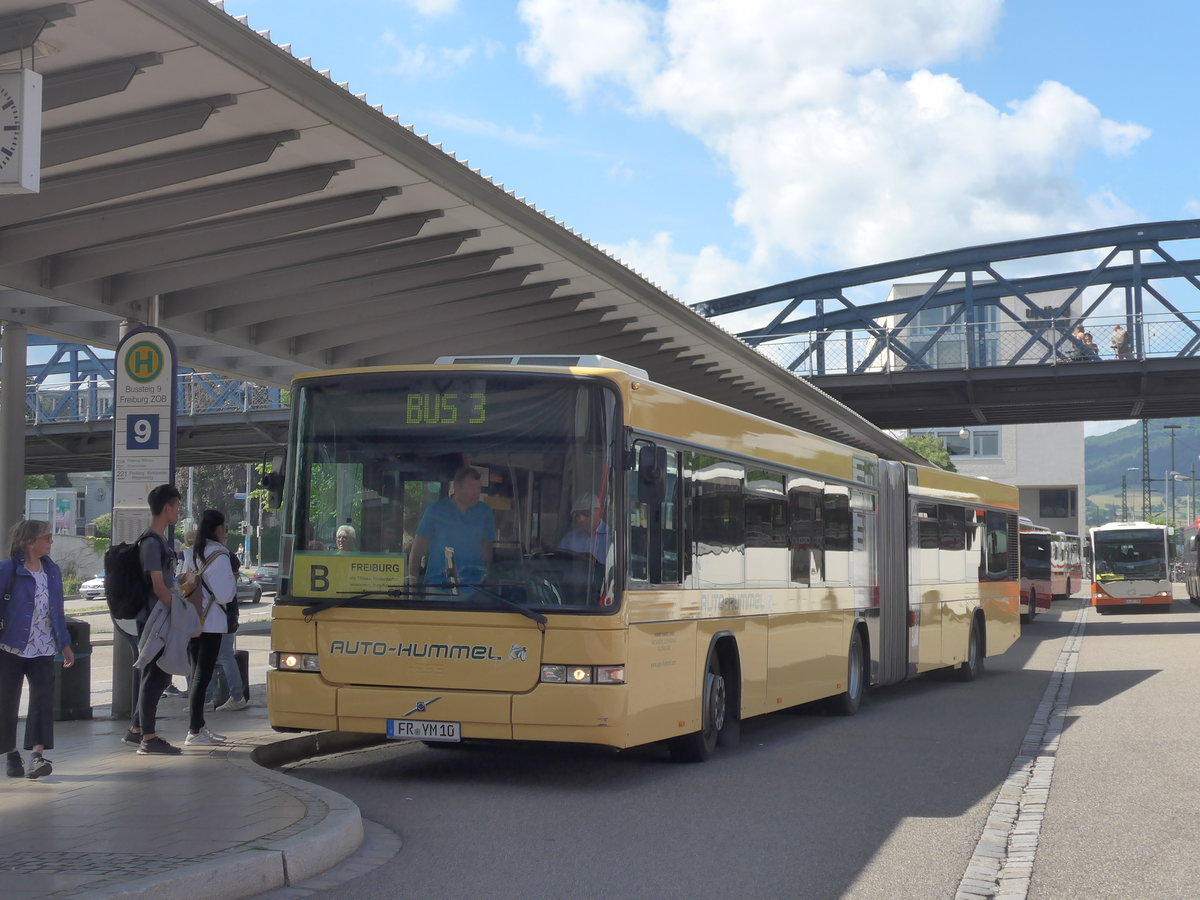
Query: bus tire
[[848, 702], [714, 711], [972, 665], [1032, 614]]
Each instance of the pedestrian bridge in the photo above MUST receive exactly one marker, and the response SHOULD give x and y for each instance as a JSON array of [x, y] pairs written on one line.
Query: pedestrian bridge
[[959, 338]]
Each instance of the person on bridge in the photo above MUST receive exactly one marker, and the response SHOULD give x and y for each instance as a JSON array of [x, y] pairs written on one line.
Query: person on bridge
[[460, 524], [1120, 343], [33, 627]]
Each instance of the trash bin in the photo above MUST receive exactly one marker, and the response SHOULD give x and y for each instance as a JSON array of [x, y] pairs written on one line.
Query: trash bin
[[73, 686]]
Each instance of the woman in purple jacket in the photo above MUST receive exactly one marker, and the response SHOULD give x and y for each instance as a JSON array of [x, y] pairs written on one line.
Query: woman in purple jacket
[[35, 628]]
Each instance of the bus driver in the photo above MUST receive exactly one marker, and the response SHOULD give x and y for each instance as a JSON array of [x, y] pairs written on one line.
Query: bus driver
[[459, 522]]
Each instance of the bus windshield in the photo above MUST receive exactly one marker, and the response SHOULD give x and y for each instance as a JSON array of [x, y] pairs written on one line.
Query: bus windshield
[[478, 490], [1130, 554]]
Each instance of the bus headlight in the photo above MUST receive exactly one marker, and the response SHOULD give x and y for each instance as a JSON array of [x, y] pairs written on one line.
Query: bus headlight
[[294, 662], [557, 674]]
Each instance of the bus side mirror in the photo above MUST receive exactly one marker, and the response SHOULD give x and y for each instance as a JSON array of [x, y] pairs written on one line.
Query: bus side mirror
[[652, 474], [273, 482]]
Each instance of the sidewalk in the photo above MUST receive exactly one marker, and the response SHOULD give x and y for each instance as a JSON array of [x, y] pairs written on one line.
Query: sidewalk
[[212, 822]]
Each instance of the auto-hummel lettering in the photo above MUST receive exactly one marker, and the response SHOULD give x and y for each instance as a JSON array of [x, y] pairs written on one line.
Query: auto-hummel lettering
[[415, 650]]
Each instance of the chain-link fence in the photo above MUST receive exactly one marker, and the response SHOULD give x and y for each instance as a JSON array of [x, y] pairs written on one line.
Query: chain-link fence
[[960, 346], [199, 393]]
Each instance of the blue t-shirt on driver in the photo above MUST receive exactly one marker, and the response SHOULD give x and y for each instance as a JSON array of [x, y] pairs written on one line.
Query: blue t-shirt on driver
[[444, 526]]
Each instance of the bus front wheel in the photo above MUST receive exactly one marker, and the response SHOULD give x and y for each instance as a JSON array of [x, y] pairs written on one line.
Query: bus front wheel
[[699, 745]]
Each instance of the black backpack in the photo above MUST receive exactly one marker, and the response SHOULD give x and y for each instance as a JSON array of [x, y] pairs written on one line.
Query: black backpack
[[126, 585]]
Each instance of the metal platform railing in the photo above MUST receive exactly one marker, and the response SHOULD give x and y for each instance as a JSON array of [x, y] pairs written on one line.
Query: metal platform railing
[[199, 393]]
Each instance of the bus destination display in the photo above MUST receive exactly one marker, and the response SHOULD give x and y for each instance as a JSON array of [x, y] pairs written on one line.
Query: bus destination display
[[445, 408]]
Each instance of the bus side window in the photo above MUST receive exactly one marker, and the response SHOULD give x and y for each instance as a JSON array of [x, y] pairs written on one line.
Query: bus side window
[[639, 538], [670, 535], [806, 531], [655, 532], [838, 533], [766, 528], [952, 541], [719, 520]]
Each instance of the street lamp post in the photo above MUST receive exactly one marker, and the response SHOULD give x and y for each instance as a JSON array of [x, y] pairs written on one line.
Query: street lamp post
[[1171, 516]]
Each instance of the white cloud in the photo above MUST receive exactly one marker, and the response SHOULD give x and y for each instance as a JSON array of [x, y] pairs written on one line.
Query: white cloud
[[494, 130], [421, 61], [689, 277], [576, 45], [845, 145], [433, 8]]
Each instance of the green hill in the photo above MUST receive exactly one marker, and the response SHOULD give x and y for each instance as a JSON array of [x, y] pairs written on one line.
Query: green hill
[[1108, 457]]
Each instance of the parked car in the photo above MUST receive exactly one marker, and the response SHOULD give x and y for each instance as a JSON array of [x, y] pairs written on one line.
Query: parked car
[[93, 588], [247, 590], [266, 577]]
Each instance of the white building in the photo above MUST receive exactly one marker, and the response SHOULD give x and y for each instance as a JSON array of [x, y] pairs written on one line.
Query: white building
[[1045, 461]]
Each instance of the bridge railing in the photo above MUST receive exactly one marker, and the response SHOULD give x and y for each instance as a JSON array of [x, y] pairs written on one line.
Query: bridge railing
[[959, 345], [199, 393]]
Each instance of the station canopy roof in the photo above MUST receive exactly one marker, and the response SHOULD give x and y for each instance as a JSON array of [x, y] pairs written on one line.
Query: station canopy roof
[[280, 223]]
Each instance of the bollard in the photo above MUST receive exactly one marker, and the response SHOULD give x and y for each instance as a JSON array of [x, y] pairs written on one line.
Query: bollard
[[124, 676], [73, 686]]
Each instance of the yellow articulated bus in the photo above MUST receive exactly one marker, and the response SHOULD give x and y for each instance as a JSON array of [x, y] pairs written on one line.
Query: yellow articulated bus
[[569, 552]]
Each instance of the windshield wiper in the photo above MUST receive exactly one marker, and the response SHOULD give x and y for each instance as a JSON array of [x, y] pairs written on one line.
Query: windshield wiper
[[416, 592], [393, 593], [505, 603]]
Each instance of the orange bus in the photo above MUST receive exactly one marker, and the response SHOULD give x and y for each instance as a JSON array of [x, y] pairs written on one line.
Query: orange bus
[[629, 563], [1066, 564], [1129, 560], [1036, 567]]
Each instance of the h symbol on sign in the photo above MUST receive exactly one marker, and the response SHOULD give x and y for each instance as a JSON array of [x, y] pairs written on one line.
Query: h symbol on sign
[[143, 362]]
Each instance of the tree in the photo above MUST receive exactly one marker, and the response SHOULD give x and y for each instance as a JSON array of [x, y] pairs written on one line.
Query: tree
[[103, 537], [932, 447], [37, 482]]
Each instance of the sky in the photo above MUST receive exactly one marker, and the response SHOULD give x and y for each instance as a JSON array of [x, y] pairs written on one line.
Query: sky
[[716, 146]]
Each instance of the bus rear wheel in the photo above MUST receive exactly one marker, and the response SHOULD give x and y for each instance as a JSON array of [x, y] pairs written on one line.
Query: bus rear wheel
[[714, 709], [972, 664], [848, 702]]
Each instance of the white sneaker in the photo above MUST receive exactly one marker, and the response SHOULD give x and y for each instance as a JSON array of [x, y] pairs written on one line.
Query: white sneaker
[[212, 734], [232, 704], [201, 738], [209, 706]]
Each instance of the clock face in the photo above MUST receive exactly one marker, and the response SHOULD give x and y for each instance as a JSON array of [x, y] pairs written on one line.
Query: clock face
[[10, 127]]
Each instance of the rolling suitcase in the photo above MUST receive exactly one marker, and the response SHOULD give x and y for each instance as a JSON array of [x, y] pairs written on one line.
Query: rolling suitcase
[[221, 689]]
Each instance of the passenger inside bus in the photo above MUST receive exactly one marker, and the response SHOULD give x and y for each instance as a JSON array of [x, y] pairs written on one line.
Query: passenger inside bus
[[346, 539], [455, 535]]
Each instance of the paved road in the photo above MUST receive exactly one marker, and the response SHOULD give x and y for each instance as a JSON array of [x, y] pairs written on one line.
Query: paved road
[[891, 803]]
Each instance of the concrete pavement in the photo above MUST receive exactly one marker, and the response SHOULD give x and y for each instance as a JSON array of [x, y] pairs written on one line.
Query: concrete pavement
[[212, 822]]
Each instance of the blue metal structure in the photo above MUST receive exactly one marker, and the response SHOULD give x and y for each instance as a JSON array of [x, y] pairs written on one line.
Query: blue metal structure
[[68, 414], [76, 383], [1045, 330]]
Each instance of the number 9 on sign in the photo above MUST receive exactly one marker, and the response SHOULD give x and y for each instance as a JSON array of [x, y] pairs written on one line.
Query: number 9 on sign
[[141, 432]]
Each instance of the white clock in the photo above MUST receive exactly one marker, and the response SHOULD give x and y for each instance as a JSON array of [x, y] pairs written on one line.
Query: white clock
[[20, 131]]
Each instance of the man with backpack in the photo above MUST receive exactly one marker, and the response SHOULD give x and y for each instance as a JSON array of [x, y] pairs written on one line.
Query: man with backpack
[[158, 566]]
